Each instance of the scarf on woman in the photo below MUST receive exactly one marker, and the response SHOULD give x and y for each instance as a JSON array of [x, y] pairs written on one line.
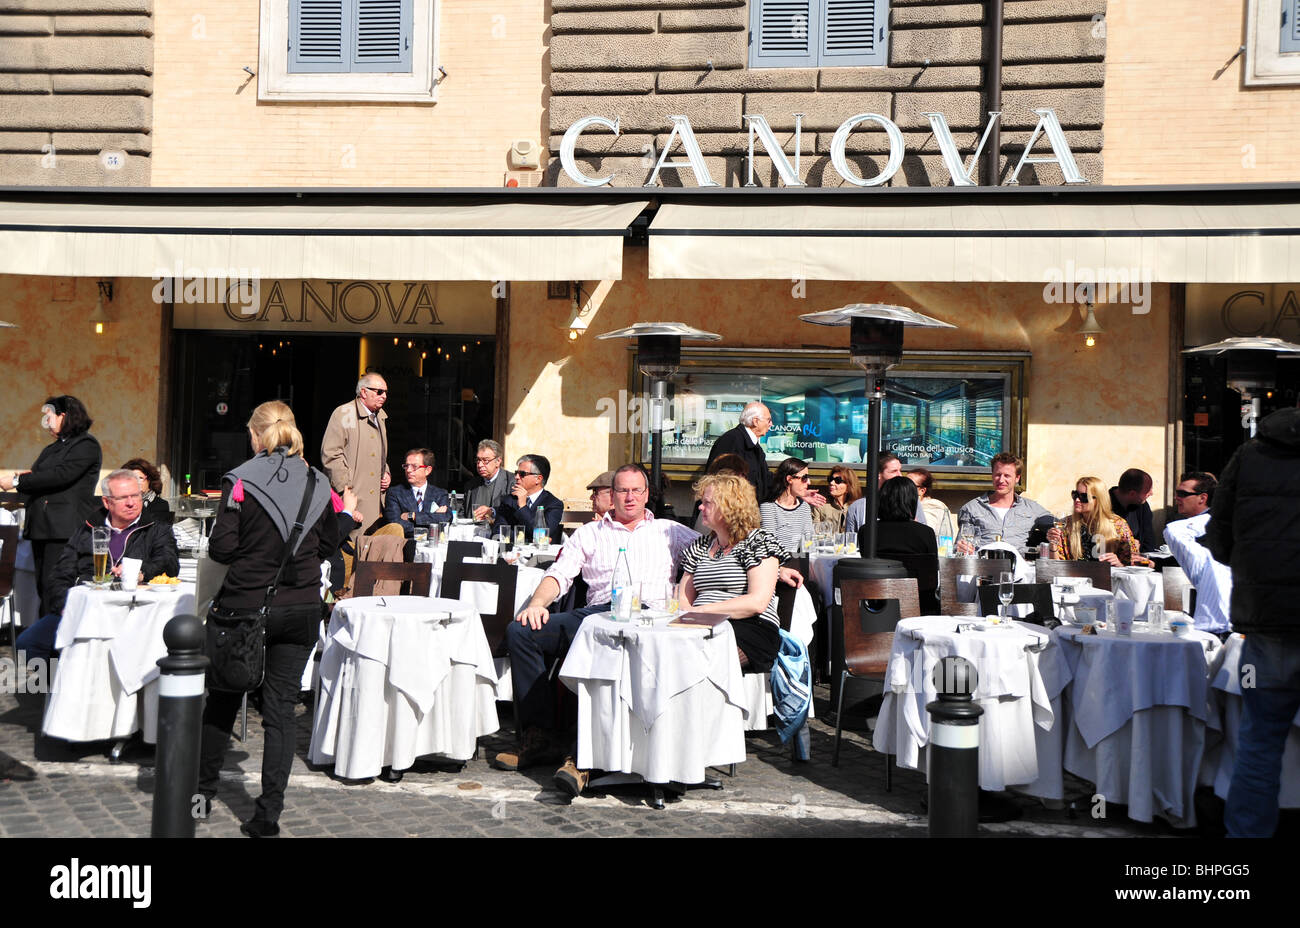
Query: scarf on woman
[[278, 481]]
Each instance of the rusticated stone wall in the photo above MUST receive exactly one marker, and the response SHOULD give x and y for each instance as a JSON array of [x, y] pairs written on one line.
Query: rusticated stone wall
[[76, 79], [646, 60]]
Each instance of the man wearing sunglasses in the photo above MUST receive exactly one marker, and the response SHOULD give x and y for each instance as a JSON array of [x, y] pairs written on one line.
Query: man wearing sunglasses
[[1213, 581], [519, 508], [354, 451]]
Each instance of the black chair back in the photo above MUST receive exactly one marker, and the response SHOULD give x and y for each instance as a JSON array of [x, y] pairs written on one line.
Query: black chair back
[[1037, 594], [505, 576], [457, 552]]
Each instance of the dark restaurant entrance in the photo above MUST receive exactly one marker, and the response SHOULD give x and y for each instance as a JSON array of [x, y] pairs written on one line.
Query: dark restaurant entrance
[[440, 395]]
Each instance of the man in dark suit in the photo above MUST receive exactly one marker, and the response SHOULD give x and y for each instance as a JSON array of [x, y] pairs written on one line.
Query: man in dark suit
[[420, 503], [519, 509], [743, 440], [482, 501], [1129, 501]]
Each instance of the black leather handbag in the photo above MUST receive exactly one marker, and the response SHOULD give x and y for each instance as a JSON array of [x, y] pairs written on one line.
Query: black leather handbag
[[236, 638]]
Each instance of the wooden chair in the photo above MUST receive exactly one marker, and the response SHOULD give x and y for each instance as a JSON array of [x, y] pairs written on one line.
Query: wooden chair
[[1046, 570], [950, 568], [415, 579], [872, 609], [8, 560], [924, 568], [505, 576]]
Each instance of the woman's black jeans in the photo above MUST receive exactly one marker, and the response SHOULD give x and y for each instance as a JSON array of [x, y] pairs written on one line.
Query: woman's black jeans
[[290, 633]]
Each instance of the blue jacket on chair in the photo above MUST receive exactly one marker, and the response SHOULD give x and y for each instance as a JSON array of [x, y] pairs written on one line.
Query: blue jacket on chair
[[791, 686], [402, 499]]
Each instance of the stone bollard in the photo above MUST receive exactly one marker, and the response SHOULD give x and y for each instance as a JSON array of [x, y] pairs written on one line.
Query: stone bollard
[[954, 750], [180, 728]]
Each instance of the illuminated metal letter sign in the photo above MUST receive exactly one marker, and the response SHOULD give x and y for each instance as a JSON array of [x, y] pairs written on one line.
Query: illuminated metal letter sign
[[789, 174]]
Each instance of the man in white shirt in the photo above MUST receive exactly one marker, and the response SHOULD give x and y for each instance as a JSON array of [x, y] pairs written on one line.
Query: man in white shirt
[[1212, 579], [537, 637]]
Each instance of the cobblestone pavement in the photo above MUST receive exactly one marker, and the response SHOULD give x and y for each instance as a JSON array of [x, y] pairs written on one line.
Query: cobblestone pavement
[[78, 793]]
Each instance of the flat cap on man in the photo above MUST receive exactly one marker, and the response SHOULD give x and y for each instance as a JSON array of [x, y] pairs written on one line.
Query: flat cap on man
[[604, 480]]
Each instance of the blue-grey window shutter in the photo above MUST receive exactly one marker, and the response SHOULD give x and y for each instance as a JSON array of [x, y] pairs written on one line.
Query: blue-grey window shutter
[[854, 33], [383, 36], [782, 33], [1290, 26], [319, 35]]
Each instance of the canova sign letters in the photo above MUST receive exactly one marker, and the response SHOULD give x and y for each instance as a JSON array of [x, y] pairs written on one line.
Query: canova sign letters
[[759, 129]]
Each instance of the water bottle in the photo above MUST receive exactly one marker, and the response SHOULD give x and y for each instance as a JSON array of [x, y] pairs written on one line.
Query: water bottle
[[541, 534], [620, 591], [945, 536]]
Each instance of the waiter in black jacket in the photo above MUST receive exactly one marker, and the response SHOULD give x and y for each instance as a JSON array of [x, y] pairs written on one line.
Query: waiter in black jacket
[[743, 440]]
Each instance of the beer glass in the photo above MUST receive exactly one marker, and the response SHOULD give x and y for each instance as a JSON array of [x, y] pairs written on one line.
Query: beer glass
[[99, 548]]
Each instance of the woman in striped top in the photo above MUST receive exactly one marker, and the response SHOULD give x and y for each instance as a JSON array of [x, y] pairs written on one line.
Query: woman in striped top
[[733, 569], [788, 515]]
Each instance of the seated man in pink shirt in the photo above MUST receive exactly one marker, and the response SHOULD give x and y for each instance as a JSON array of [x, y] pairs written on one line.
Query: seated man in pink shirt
[[537, 637]]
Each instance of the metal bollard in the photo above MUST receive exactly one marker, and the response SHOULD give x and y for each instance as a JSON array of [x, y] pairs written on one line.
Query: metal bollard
[[954, 750], [180, 728]]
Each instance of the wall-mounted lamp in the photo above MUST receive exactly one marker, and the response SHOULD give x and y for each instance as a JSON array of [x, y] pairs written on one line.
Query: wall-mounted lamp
[[578, 324], [1090, 328], [98, 317]]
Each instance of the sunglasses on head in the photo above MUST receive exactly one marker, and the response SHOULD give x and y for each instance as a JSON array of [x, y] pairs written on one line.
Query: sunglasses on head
[[1078, 497], [1183, 494]]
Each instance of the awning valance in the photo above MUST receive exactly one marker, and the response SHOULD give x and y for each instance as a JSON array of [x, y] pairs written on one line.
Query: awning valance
[[1206, 243], [488, 241]]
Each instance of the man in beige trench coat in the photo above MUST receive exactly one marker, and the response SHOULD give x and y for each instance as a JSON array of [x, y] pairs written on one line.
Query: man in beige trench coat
[[354, 450]]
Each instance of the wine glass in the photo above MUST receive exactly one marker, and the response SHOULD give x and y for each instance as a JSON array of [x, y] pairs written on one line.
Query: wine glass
[[1006, 593], [967, 539]]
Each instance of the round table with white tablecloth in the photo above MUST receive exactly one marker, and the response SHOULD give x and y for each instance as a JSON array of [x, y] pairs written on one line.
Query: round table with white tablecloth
[[402, 677], [480, 595], [661, 702], [1021, 677], [1224, 723], [110, 643], [1137, 717]]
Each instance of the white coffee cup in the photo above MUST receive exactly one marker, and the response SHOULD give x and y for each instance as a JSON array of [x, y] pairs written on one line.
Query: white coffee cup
[[130, 572]]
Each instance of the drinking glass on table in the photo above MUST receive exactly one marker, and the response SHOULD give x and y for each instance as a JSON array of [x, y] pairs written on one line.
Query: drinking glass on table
[[850, 543], [657, 596], [503, 538], [434, 533], [99, 548], [966, 541], [521, 536], [1006, 593]]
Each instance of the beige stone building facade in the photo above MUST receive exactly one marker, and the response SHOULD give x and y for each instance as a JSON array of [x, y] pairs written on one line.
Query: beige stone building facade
[[200, 96]]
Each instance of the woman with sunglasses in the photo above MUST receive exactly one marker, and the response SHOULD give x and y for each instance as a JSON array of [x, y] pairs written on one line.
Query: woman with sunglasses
[[787, 515], [842, 489], [1091, 521]]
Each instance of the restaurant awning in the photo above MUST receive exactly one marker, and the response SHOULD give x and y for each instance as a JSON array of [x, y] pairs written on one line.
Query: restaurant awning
[[473, 241], [1162, 242]]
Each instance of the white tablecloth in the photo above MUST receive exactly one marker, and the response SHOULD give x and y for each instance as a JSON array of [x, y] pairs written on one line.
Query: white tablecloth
[[663, 703], [1021, 677], [1224, 723], [109, 652], [1138, 710], [402, 677]]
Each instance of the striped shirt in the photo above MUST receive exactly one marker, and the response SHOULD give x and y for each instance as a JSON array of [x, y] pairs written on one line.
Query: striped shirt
[[787, 524], [654, 547], [719, 577]]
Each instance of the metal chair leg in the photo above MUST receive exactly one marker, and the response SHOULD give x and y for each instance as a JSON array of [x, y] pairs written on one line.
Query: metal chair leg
[[839, 719], [243, 724]]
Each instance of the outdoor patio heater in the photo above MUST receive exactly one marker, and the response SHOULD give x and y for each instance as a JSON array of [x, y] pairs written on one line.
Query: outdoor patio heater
[[658, 356], [1246, 379], [875, 345]]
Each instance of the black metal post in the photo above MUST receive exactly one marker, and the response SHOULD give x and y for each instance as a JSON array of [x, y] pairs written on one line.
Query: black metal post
[[658, 401], [875, 393], [180, 726], [954, 751]]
